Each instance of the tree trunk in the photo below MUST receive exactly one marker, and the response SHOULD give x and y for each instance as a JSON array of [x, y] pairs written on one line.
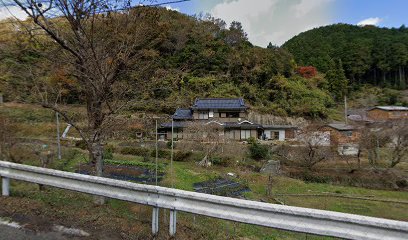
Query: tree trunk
[[359, 158], [97, 157], [384, 78], [375, 77], [402, 80], [96, 117]]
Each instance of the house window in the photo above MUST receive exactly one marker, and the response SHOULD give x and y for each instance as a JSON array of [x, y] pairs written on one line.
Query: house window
[[275, 135], [232, 114], [245, 134], [202, 115], [348, 133]]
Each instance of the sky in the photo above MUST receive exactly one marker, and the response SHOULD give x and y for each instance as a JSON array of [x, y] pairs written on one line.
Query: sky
[[277, 21]]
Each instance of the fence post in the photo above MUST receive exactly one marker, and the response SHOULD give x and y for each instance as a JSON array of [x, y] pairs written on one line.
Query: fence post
[[173, 222], [5, 186], [155, 220]]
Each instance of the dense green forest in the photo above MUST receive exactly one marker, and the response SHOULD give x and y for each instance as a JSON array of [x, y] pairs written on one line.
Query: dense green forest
[[199, 56], [367, 54]]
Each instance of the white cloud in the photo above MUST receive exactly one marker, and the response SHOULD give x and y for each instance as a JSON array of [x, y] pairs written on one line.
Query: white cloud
[[11, 12], [274, 21], [306, 6], [370, 21], [168, 7]]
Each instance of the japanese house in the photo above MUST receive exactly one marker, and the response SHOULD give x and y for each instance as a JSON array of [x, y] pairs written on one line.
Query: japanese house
[[230, 114]]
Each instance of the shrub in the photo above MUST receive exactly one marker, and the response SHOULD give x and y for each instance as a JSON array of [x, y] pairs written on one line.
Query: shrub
[[222, 161], [310, 177], [81, 144], [162, 153], [307, 72], [258, 151], [108, 152], [135, 151], [168, 144], [252, 140], [402, 183], [181, 156]]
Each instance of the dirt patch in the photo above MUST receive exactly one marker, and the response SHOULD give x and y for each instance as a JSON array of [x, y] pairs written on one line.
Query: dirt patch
[[222, 187], [125, 173]]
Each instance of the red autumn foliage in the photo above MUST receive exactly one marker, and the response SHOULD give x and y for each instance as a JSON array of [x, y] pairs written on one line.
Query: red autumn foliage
[[307, 72]]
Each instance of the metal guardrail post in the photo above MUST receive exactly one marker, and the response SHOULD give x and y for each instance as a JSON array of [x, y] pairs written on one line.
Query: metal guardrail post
[[5, 186], [155, 220], [173, 222]]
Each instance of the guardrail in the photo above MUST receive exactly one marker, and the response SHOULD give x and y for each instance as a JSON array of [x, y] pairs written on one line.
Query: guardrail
[[263, 214]]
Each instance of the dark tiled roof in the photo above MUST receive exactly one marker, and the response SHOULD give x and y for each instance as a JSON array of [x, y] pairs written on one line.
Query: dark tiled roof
[[341, 126], [219, 103], [183, 113]]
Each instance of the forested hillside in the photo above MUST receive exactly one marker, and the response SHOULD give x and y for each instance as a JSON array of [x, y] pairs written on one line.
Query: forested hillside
[[368, 54], [189, 57]]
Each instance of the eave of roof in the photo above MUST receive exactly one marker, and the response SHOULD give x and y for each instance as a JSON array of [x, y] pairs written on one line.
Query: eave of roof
[[279, 127], [390, 108], [341, 126], [229, 125]]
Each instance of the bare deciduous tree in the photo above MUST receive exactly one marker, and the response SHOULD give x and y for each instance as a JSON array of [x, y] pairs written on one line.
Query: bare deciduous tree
[[397, 133], [312, 150], [372, 138], [206, 137], [99, 44]]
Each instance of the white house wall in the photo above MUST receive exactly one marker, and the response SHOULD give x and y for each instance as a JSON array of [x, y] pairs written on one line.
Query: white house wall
[[281, 135]]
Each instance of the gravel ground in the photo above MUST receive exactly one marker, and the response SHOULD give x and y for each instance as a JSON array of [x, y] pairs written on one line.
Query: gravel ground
[[11, 233]]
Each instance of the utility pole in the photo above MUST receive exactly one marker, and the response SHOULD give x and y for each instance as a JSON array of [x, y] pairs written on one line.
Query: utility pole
[[171, 154], [157, 151], [345, 109], [58, 137]]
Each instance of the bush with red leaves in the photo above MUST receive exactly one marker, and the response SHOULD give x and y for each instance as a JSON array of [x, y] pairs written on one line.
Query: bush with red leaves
[[307, 72]]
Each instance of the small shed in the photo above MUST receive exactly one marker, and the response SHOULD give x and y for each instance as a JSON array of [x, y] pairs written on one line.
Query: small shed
[[341, 133], [385, 113]]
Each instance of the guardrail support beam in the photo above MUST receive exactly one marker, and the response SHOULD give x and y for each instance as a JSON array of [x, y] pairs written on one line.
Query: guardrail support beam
[[155, 221], [173, 222], [5, 187]]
